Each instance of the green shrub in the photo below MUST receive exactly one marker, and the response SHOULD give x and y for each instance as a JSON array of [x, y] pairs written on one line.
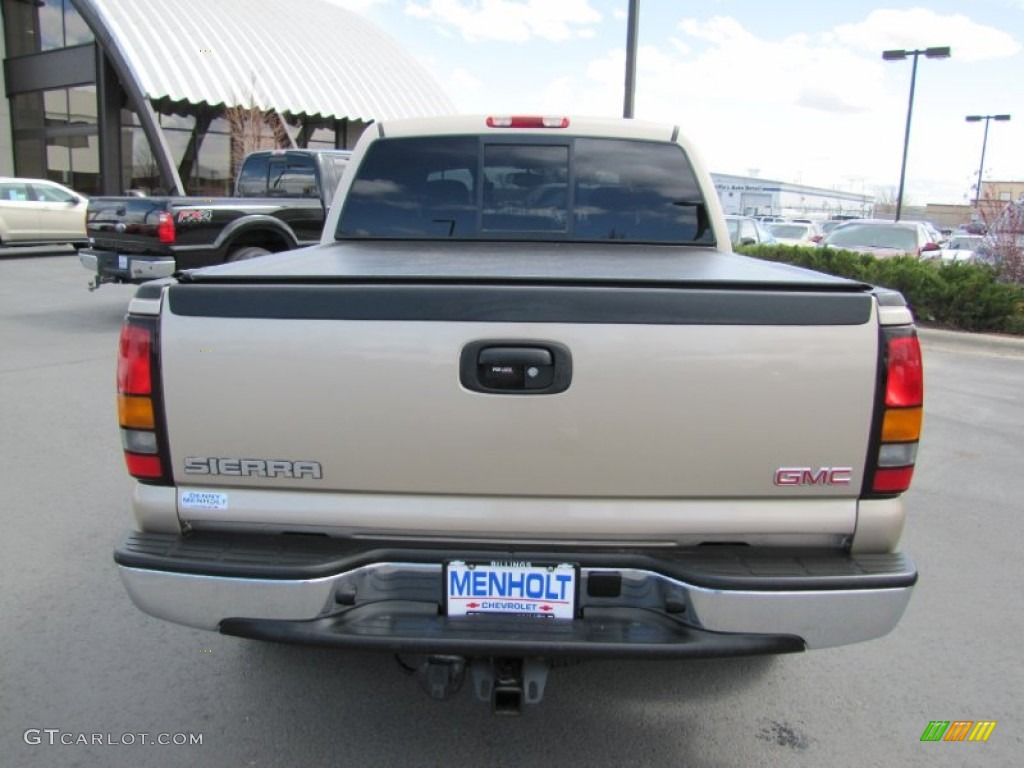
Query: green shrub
[[967, 297]]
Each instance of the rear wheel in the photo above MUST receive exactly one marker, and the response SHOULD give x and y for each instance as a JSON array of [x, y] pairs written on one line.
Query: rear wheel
[[247, 252]]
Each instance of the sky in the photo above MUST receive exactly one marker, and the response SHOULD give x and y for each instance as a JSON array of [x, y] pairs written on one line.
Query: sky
[[788, 90]]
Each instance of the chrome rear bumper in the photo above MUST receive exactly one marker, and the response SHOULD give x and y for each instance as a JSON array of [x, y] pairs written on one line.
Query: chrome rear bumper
[[631, 603], [116, 267]]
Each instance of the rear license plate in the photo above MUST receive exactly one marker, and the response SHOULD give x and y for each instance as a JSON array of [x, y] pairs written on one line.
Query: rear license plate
[[523, 589]]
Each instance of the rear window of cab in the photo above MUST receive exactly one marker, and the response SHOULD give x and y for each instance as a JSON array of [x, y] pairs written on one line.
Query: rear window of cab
[[582, 189]]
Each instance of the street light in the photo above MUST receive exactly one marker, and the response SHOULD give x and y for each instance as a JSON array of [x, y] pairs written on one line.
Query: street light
[[900, 55], [632, 31], [984, 143]]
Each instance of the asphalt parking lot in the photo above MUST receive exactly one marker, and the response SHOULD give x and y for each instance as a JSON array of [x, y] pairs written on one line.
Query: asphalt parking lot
[[77, 659]]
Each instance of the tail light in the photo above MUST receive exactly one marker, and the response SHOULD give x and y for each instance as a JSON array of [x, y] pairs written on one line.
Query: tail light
[[900, 412], [165, 228], [141, 436]]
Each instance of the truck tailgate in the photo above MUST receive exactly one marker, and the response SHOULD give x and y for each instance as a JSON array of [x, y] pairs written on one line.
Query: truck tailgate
[[675, 392], [126, 224]]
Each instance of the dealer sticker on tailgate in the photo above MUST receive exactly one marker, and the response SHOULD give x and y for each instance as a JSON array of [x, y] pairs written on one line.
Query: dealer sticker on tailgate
[[511, 587]]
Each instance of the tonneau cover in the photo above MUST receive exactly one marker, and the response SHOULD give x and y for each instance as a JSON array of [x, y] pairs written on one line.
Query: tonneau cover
[[522, 261]]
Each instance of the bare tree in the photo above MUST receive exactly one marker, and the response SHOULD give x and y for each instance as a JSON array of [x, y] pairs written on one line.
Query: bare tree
[[885, 202], [253, 128], [1005, 223]]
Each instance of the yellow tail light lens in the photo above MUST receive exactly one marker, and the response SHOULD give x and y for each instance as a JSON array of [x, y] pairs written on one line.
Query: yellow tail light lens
[[901, 425], [135, 412]]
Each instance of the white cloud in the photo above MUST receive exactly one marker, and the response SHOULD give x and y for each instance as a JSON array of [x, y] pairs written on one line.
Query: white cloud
[[680, 47], [718, 29], [510, 20], [811, 108], [824, 99], [794, 71], [797, 108], [922, 28], [465, 82]]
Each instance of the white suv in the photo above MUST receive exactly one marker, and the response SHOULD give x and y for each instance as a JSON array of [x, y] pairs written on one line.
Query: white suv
[[36, 211]]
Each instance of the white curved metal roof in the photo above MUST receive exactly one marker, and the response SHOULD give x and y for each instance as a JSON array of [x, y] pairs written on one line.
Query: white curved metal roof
[[300, 56]]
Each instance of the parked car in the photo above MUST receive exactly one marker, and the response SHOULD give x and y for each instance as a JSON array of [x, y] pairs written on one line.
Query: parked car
[[795, 232], [935, 233], [745, 230], [882, 238], [827, 226], [973, 228], [962, 248], [40, 212]]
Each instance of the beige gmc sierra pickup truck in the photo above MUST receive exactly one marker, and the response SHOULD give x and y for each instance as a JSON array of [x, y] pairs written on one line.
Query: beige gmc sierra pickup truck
[[522, 403]]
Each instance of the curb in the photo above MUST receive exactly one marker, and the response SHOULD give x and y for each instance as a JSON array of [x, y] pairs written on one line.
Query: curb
[[27, 251], [1013, 345]]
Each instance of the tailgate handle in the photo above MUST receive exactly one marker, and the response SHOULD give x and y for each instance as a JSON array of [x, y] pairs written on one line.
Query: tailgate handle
[[516, 367]]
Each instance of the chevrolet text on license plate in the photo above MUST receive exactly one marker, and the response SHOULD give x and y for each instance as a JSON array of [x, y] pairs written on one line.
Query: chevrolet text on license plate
[[511, 587]]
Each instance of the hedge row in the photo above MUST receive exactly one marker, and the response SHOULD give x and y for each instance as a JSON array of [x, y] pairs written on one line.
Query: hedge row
[[968, 297]]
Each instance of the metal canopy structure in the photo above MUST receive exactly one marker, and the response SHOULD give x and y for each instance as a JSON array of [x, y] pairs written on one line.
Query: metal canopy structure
[[306, 59], [301, 57]]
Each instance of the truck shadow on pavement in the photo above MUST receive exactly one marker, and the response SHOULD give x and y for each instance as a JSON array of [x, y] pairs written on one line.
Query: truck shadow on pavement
[[593, 713]]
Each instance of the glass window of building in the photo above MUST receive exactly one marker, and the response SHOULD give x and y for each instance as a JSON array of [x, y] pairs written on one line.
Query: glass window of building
[[51, 24], [27, 111], [55, 104], [322, 138], [21, 27], [55, 137], [177, 122], [82, 105], [212, 176], [35, 26], [58, 160], [85, 165], [140, 167], [30, 156], [76, 31]]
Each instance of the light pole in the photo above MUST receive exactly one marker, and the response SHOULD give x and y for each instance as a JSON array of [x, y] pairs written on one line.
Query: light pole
[[632, 30], [984, 143], [899, 55]]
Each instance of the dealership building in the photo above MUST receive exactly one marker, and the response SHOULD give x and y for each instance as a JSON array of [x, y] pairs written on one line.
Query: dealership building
[[753, 196], [110, 95]]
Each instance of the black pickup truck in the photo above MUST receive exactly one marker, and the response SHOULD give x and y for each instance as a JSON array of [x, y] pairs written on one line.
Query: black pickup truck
[[281, 201]]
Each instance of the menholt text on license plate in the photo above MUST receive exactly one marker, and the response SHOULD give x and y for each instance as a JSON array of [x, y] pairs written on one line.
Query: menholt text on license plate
[[517, 588]]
